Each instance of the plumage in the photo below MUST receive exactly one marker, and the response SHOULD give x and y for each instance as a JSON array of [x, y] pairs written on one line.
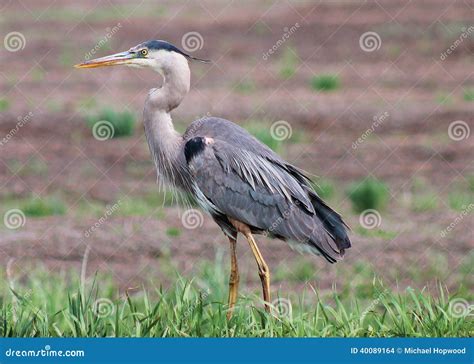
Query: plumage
[[240, 182], [246, 181]]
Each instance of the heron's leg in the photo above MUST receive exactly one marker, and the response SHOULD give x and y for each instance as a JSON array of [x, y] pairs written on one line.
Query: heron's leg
[[263, 270], [234, 277]]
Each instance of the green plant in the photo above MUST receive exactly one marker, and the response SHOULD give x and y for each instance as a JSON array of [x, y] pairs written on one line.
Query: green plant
[[426, 201], [43, 206], [327, 82], [123, 123], [376, 233], [423, 197], [302, 271], [4, 105], [469, 94], [324, 188], [246, 86], [261, 131], [34, 166], [369, 193], [173, 232], [138, 206], [45, 304], [87, 102], [459, 200], [288, 63], [37, 74]]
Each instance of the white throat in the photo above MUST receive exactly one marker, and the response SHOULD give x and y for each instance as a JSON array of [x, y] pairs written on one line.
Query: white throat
[[164, 141]]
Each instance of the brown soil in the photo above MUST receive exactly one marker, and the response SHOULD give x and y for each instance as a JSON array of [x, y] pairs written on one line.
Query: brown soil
[[404, 78]]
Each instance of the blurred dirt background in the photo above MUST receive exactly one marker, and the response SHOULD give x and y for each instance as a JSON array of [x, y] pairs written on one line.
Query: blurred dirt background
[[54, 155]]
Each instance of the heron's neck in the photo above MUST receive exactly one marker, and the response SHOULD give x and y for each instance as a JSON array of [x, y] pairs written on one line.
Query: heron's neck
[[163, 139], [176, 83]]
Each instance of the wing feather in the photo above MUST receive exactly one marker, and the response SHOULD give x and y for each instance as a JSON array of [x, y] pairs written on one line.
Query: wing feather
[[266, 197]]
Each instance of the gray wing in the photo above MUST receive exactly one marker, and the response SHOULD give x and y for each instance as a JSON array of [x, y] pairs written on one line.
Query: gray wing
[[249, 148], [241, 182]]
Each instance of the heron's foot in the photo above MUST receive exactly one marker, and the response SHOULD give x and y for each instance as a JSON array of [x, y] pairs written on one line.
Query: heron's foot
[[264, 274]]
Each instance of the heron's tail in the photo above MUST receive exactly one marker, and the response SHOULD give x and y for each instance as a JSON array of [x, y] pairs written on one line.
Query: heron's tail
[[332, 222]]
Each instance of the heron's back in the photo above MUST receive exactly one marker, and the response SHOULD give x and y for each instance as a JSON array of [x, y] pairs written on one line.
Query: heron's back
[[236, 176]]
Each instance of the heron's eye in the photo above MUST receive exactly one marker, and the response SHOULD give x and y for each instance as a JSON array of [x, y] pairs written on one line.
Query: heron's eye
[[144, 52]]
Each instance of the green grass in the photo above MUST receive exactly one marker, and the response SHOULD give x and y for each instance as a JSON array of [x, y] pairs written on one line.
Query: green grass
[[37, 74], [261, 131], [43, 206], [48, 305], [423, 196], [33, 167], [86, 102], [469, 94], [302, 271], [89, 208], [427, 201], [460, 200], [4, 105], [327, 82], [324, 188], [123, 122], [173, 232], [138, 206], [245, 87], [369, 193], [288, 63], [376, 233]]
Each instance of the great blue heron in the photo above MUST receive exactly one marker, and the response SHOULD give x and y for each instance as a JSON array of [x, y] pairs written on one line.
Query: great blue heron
[[240, 182]]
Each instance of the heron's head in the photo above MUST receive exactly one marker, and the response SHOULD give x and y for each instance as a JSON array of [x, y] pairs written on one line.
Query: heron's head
[[155, 54]]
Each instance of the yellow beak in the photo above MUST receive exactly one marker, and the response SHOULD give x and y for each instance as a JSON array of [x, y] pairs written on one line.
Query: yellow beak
[[113, 60]]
